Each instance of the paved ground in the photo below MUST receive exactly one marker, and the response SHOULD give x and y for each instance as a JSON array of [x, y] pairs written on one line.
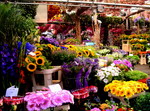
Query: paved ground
[[143, 68]]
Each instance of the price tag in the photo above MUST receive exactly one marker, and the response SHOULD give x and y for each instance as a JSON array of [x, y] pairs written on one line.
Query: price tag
[[12, 91], [130, 54], [55, 88]]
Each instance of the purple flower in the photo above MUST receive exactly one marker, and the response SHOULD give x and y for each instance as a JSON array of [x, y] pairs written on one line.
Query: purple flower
[[95, 109]]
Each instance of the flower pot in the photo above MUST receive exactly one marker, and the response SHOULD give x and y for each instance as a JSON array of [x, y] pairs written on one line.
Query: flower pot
[[43, 78]]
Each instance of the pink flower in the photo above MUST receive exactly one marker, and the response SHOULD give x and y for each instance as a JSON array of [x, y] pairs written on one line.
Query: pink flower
[[95, 109], [32, 107], [56, 100]]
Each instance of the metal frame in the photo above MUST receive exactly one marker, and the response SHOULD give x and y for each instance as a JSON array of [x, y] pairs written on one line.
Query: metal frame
[[80, 2], [95, 3]]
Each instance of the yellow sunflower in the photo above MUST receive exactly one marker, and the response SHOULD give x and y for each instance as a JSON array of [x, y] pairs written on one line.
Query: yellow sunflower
[[31, 67], [79, 54], [52, 47], [86, 52], [40, 48], [38, 53], [139, 89], [27, 60], [40, 61], [92, 53], [145, 86]]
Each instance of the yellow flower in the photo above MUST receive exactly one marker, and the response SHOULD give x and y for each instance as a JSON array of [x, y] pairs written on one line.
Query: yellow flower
[[27, 60], [52, 47], [40, 48], [117, 92], [104, 106], [92, 53], [79, 54], [106, 88], [122, 92], [113, 90], [139, 89], [31, 67], [145, 86], [129, 93], [37, 44], [40, 61], [38, 53], [86, 52]]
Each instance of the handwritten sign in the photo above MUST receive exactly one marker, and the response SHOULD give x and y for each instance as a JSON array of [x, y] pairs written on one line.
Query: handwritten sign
[[12, 91], [55, 87]]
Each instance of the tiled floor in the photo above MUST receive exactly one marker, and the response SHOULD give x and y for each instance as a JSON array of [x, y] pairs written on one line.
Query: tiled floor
[[143, 68]]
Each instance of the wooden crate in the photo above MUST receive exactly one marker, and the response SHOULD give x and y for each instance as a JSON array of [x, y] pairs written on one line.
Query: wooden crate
[[142, 58]]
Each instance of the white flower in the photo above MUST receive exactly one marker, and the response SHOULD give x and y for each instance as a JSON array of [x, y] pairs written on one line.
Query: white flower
[[105, 81]]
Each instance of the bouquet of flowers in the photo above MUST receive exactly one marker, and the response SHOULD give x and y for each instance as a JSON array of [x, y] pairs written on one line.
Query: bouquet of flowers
[[125, 88], [41, 100], [76, 73], [48, 40], [106, 74], [124, 65], [38, 61]]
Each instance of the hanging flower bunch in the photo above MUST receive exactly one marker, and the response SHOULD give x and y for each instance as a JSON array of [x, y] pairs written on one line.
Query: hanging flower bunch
[[41, 100], [106, 74], [76, 73], [125, 88], [124, 65]]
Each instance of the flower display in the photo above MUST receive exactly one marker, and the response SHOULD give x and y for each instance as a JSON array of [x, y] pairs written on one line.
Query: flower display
[[125, 88], [76, 73], [95, 109], [42, 100], [106, 74]]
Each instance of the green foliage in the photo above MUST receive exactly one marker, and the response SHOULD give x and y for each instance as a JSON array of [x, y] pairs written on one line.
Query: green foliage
[[142, 103], [135, 75], [62, 56], [13, 24], [110, 20], [133, 59]]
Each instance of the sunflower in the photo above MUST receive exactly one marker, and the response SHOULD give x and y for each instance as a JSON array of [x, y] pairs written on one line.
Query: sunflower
[[79, 54], [129, 93], [31, 67], [145, 86], [92, 53], [52, 47], [38, 53], [40, 48], [40, 61], [139, 89], [37, 44], [27, 60], [86, 52]]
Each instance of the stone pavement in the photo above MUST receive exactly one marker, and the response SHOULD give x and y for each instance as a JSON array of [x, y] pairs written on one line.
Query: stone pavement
[[143, 68]]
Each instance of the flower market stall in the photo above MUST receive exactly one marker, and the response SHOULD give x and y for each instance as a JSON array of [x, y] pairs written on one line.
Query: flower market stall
[[74, 55]]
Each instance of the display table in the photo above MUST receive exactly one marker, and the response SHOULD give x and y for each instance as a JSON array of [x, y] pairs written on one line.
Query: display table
[[122, 99]]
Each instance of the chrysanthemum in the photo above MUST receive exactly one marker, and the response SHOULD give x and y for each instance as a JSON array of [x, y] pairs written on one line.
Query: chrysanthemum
[[106, 88], [129, 93], [40, 61], [31, 67]]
